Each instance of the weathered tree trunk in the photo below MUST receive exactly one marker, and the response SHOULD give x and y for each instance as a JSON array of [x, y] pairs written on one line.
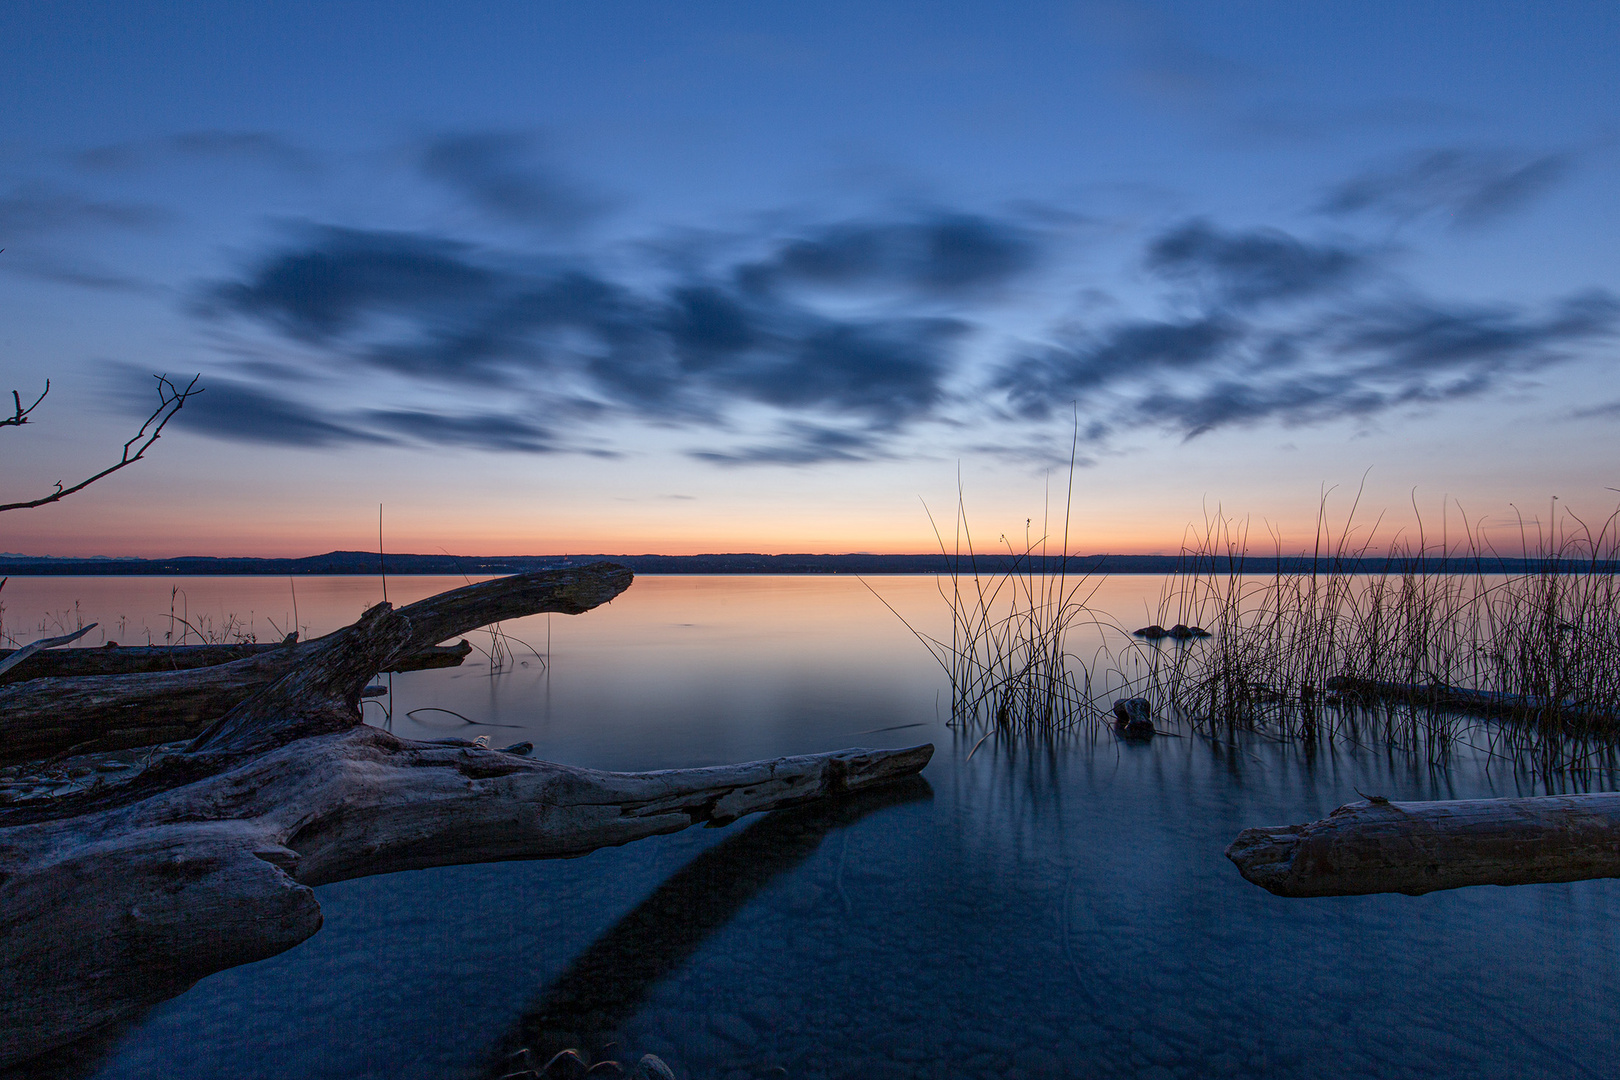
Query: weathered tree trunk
[[104, 914], [1380, 846], [41, 717], [122, 895], [140, 659]]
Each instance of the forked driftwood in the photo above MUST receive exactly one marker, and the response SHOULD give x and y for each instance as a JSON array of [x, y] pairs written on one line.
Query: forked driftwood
[[47, 716], [123, 895], [1378, 846]]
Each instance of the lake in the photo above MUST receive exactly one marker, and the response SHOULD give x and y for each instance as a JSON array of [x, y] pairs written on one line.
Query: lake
[[1036, 908]]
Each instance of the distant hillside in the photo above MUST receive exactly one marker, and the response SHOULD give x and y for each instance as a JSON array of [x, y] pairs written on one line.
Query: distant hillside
[[365, 562]]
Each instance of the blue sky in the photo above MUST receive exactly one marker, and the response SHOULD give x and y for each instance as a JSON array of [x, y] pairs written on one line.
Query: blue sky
[[650, 277]]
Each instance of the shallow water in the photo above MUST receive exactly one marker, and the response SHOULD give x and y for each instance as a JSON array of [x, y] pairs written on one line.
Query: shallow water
[[1053, 909]]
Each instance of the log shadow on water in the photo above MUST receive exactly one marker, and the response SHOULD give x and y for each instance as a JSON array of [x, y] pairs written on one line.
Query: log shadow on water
[[586, 1005]]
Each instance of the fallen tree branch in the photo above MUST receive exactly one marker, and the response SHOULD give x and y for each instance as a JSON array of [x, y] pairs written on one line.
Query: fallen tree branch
[[104, 914], [1381, 846], [47, 716], [113, 659], [123, 894], [33, 647]]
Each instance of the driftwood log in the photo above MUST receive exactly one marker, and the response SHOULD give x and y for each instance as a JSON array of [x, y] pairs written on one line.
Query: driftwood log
[[1377, 846], [126, 893], [112, 659], [45, 716], [1438, 695]]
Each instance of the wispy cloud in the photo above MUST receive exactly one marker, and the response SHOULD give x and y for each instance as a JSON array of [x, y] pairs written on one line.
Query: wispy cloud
[[43, 209], [1465, 188], [1341, 355], [838, 339], [1250, 268], [251, 147], [688, 351]]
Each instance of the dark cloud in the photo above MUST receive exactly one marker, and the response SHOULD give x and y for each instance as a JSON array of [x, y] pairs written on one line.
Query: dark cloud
[[244, 413], [1193, 377], [480, 431], [500, 174], [432, 309], [1052, 378], [1267, 327], [1467, 188], [940, 254], [342, 277], [1248, 268], [210, 144], [1418, 336]]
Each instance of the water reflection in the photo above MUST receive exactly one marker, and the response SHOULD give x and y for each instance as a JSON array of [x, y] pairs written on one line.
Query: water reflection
[[1056, 908], [585, 1007]]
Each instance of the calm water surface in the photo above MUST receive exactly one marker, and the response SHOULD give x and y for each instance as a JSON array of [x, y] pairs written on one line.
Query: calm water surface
[[1058, 909]]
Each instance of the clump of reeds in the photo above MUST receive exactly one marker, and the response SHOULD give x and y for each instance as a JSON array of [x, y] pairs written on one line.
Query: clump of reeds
[[1014, 618], [1407, 647], [1433, 642]]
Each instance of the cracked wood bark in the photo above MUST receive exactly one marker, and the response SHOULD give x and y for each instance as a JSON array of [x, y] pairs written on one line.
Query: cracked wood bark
[[1417, 847], [41, 717], [118, 897], [137, 659]]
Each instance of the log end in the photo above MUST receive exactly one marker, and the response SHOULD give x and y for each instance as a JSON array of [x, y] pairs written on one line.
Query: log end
[[1265, 857]]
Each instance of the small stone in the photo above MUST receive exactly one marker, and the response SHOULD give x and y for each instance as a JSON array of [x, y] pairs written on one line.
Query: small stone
[[652, 1067], [1133, 719], [564, 1065]]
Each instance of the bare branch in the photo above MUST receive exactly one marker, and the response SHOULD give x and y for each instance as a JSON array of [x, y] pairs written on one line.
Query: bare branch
[[171, 399], [21, 416]]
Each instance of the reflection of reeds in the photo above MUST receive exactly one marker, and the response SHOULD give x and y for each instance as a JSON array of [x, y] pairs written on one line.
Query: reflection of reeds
[[1432, 643]]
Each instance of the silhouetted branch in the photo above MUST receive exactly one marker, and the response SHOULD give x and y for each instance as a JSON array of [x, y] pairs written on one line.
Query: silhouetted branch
[[170, 401], [21, 416]]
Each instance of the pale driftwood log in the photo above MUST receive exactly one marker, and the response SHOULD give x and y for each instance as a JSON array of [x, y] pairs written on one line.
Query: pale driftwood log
[[1378, 846], [113, 659], [48, 716], [104, 914], [122, 895], [13, 657]]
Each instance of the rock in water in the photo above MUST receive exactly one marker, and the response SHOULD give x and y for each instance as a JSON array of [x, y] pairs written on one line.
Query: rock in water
[[1152, 633], [1133, 718], [652, 1067]]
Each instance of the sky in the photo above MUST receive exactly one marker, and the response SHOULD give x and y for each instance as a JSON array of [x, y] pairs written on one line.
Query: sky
[[544, 278]]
